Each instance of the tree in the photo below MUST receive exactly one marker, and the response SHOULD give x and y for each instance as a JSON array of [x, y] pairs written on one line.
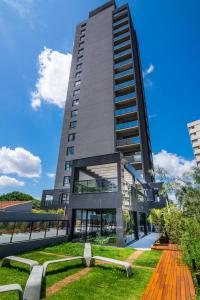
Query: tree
[[18, 196]]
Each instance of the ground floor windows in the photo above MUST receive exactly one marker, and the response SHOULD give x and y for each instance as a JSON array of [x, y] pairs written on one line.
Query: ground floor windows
[[130, 226], [94, 224], [142, 228]]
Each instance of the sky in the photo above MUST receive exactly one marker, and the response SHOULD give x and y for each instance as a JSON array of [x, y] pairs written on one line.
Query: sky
[[36, 42]]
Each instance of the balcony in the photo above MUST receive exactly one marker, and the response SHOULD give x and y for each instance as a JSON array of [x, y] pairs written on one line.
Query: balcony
[[125, 27], [120, 13], [121, 21], [128, 141], [124, 73], [122, 45], [127, 125], [124, 85], [135, 158], [108, 185], [125, 111], [125, 52], [121, 36], [125, 97], [123, 63]]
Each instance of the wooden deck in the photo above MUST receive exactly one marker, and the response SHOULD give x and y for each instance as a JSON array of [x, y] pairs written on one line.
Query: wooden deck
[[171, 280], [172, 247]]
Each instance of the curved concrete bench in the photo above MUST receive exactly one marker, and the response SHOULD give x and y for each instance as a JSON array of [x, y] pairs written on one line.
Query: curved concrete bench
[[8, 259], [33, 285], [12, 288], [47, 263], [116, 262]]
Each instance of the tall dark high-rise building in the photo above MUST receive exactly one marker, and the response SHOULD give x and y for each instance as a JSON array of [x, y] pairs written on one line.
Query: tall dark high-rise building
[[103, 174]]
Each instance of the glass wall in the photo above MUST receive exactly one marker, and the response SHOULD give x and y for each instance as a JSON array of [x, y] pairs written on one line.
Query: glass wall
[[18, 231], [96, 179], [94, 225], [142, 224], [129, 225]]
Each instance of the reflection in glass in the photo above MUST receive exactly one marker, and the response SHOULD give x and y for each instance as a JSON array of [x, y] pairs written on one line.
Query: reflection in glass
[[6, 230], [21, 231]]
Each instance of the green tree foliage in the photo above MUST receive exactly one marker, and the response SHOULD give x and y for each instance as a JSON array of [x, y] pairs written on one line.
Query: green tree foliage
[[18, 196]]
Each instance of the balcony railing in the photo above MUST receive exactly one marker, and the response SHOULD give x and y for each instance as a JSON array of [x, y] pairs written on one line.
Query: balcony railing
[[120, 13], [125, 97], [128, 51], [108, 185], [126, 125], [120, 21], [124, 73], [121, 28], [124, 84], [124, 111], [123, 63], [122, 45], [128, 141], [134, 158], [121, 36]]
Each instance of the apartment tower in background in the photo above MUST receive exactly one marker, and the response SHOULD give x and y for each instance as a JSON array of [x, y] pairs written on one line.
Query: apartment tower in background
[[103, 176], [194, 132]]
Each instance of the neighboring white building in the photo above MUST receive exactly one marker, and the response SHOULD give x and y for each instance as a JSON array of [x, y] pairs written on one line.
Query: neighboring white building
[[194, 131]]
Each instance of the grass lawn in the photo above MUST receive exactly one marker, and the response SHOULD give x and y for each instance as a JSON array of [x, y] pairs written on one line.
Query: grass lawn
[[102, 282], [148, 259]]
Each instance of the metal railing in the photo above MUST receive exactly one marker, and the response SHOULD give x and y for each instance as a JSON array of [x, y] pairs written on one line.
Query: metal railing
[[126, 125], [124, 84], [121, 36], [128, 141], [128, 51], [115, 23], [122, 45], [124, 73], [96, 186], [125, 97], [18, 231], [123, 63], [121, 28], [124, 111]]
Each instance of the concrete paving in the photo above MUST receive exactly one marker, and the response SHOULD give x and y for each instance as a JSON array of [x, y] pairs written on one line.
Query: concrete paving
[[146, 242]]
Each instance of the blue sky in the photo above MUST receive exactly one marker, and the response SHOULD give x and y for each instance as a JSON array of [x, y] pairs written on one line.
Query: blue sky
[[168, 33]]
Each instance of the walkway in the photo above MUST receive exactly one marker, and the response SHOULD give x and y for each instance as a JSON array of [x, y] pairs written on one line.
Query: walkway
[[171, 280], [146, 242]]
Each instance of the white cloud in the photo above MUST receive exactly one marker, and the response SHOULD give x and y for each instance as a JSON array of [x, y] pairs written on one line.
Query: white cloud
[[149, 70], [53, 77], [21, 7], [6, 181], [19, 161], [51, 175], [175, 166]]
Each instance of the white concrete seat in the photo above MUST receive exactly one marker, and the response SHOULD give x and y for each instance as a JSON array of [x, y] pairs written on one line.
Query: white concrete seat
[[33, 285], [87, 256], [116, 262], [12, 288], [8, 259], [47, 263]]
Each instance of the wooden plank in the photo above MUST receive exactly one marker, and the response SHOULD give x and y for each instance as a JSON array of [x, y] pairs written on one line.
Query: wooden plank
[[171, 279]]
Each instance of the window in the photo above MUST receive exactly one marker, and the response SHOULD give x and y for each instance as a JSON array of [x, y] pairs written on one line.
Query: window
[[66, 181], [70, 151], [76, 92], [81, 44], [80, 52], [83, 25], [78, 82], [71, 137], [82, 38], [78, 74], [68, 166], [78, 67], [75, 102], [64, 198], [73, 124], [74, 113], [80, 58], [83, 31]]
